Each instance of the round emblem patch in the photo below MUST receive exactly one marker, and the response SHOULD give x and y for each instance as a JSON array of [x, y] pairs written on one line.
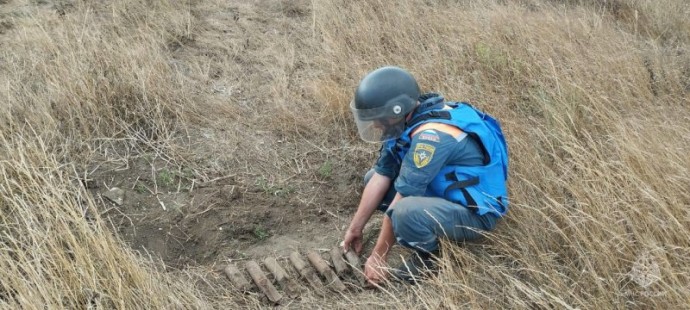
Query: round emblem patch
[[422, 154]]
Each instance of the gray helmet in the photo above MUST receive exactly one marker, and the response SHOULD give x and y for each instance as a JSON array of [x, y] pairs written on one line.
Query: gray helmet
[[383, 99]]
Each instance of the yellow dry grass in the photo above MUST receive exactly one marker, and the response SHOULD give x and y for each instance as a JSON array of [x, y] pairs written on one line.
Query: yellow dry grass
[[594, 98]]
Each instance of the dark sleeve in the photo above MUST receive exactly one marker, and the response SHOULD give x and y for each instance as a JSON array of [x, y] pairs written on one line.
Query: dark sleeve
[[430, 150], [387, 165]]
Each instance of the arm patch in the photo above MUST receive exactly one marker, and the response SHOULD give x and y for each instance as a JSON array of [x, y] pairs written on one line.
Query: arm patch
[[423, 162], [422, 154]]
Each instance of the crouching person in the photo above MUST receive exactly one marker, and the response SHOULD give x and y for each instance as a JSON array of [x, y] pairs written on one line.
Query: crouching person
[[441, 172]]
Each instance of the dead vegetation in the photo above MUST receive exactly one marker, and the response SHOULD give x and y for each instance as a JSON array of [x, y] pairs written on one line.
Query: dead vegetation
[[593, 96]]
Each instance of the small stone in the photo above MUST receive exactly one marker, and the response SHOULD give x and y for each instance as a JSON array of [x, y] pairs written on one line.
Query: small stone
[[115, 195], [229, 192]]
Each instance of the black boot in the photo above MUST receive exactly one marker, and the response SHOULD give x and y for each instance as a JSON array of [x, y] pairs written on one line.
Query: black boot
[[419, 265]]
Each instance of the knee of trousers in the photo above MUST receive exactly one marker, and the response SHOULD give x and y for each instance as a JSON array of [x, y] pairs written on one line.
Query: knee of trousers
[[412, 225], [410, 219]]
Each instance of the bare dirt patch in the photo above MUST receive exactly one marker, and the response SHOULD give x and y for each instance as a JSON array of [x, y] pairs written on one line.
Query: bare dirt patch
[[205, 223]]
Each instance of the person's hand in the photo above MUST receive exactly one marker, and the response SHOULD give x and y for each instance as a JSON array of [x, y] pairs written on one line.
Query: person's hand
[[353, 240], [375, 270]]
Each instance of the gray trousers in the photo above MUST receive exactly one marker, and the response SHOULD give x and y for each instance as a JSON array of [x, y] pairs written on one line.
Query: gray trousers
[[419, 222]]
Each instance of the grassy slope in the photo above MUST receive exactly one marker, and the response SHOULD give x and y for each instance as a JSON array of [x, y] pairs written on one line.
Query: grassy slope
[[593, 99], [594, 105]]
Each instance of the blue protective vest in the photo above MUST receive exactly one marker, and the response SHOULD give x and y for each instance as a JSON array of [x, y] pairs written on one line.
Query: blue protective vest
[[479, 187]]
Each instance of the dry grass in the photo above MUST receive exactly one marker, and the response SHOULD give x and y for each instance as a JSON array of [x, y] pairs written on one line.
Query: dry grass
[[595, 116], [593, 96], [80, 81]]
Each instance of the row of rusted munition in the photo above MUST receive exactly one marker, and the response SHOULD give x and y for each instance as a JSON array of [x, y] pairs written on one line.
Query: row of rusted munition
[[340, 265]]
